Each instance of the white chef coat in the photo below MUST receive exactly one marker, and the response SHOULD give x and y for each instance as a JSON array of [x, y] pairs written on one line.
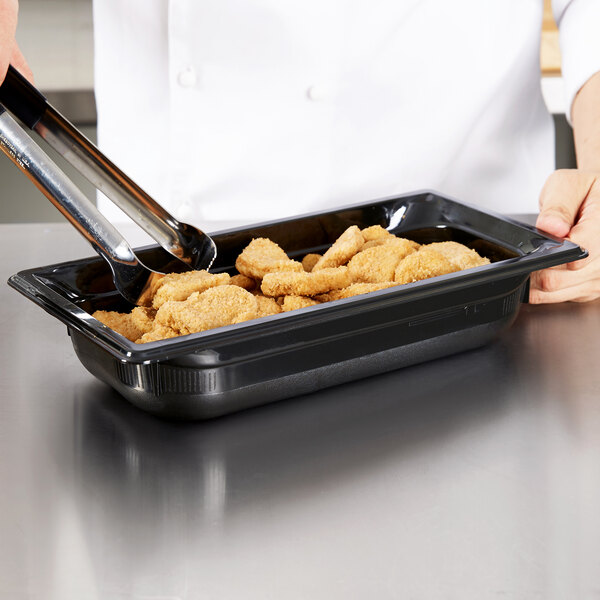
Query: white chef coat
[[239, 111]]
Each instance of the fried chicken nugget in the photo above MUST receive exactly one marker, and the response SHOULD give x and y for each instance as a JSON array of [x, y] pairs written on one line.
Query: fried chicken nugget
[[159, 332], [342, 250], [216, 307], [143, 318], [296, 302], [122, 323], [375, 232], [390, 239], [373, 244], [459, 255], [305, 284], [179, 286], [423, 264], [267, 306], [243, 281], [354, 290], [153, 283], [262, 256], [378, 263], [309, 262]]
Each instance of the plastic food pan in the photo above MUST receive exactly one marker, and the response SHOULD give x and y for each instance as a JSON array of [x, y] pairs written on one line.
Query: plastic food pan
[[223, 370]]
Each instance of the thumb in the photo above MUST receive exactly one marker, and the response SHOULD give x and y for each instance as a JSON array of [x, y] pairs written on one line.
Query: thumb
[[18, 61], [8, 25], [560, 200]]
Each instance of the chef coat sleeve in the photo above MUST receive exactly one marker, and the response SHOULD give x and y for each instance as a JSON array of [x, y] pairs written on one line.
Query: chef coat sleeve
[[577, 22]]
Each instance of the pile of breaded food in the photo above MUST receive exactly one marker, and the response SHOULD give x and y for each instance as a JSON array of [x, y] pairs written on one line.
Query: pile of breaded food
[[268, 282]]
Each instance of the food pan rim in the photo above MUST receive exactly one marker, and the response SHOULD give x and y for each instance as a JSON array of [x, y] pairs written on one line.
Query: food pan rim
[[69, 313]]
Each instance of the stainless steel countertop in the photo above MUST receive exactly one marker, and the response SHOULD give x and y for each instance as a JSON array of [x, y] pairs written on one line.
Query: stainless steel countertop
[[475, 476]]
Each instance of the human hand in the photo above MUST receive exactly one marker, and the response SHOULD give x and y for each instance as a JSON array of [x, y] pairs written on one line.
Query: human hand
[[9, 50], [570, 208]]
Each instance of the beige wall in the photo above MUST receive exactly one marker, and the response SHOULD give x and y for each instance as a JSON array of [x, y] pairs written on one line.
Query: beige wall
[[550, 51]]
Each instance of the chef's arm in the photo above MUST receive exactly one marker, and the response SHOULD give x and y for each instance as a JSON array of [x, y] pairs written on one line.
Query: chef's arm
[[9, 50], [570, 207], [586, 125]]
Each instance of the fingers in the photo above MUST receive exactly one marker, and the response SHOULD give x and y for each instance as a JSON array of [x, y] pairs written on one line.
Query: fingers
[[578, 293], [550, 281], [18, 61], [570, 207], [586, 231], [561, 199], [564, 283], [8, 25]]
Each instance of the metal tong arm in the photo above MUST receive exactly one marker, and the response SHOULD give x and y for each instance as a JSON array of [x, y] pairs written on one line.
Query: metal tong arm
[[31, 107], [67, 197]]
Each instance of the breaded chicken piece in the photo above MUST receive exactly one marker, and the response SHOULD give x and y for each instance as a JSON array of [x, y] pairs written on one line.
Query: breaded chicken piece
[[120, 322], [309, 261], [375, 232], [159, 332], [149, 290], [459, 255], [216, 307], [390, 239], [143, 318], [296, 302], [354, 290], [378, 263], [305, 284], [267, 306], [342, 250], [179, 286], [243, 281], [374, 243], [262, 256], [423, 264]]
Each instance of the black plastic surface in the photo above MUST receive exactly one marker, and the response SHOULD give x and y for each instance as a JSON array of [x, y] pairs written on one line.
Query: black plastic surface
[[22, 99], [230, 368]]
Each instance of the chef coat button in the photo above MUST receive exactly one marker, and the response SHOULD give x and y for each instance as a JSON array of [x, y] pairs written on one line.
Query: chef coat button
[[187, 78], [317, 93]]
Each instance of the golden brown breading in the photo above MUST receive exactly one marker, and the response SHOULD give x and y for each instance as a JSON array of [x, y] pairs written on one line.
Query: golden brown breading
[[270, 282], [296, 302], [243, 281], [342, 250], [267, 306], [459, 255], [422, 264], [159, 332], [378, 263], [390, 240], [402, 242], [216, 307], [354, 290], [153, 283], [309, 261], [305, 284], [375, 232], [143, 318], [120, 322], [373, 243], [179, 286], [262, 256]]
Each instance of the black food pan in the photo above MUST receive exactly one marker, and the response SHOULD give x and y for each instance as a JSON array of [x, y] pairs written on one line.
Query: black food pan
[[223, 370]]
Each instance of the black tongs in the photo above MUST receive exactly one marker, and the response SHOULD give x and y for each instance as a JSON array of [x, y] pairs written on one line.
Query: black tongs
[[192, 248]]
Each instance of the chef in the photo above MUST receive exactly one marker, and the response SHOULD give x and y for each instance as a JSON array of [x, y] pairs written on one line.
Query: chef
[[237, 111]]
